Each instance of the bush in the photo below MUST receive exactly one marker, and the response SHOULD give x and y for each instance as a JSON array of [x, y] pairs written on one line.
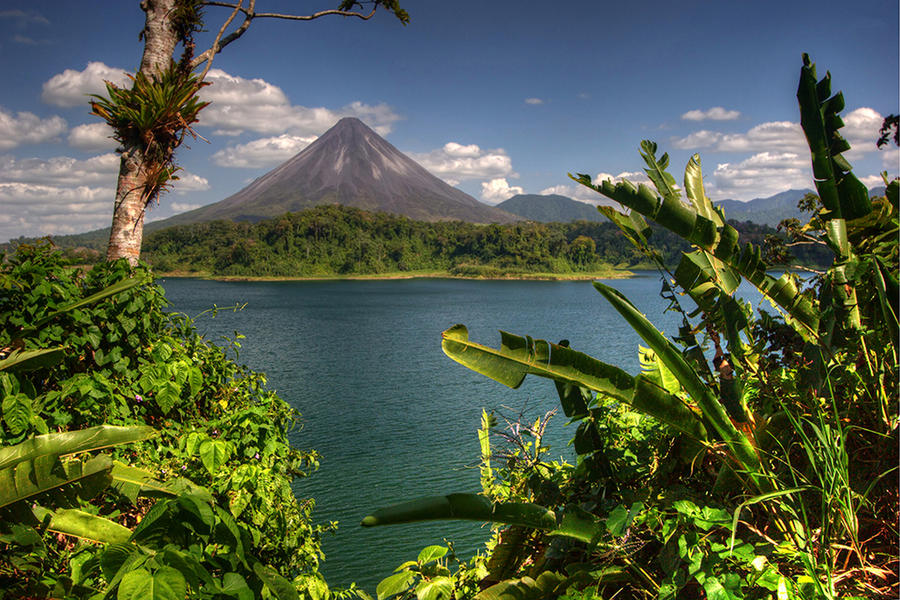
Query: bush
[[125, 361]]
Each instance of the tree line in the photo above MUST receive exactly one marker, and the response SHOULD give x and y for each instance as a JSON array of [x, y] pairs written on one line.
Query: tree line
[[338, 240]]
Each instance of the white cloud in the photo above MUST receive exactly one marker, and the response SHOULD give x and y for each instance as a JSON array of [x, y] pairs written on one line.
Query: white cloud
[[498, 190], [71, 87], [761, 175], [265, 152], [871, 181], [457, 162], [534, 101], [189, 182], [64, 195], [61, 170], [28, 128], [774, 136], [180, 207], [255, 105], [716, 113], [860, 129], [34, 209], [92, 137]]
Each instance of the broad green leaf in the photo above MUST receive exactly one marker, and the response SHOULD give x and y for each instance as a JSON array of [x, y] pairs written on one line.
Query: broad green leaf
[[581, 525], [471, 507], [436, 588], [165, 584], [27, 360], [214, 454], [47, 473], [70, 442], [278, 585], [430, 553], [195, 380], [520, 356], [394, 584], [89, 527], [709, 404], [17, 412], [234, 585], [168, 394], [620, 518]]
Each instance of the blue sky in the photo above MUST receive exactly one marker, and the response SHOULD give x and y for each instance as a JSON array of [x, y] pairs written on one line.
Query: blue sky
[[496, 98]]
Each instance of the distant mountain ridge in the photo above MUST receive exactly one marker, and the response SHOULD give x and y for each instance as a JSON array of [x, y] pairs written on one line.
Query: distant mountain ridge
[[555, 208], [766, 211], [353, 166], [551, 208]]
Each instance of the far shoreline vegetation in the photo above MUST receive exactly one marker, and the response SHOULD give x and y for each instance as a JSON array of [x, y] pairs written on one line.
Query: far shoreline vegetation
[[333, 242]]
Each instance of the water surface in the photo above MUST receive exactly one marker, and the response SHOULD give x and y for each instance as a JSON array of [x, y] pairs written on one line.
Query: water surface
[[392, 417]]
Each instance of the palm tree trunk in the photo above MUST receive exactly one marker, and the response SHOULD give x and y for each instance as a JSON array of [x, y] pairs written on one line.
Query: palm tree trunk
[[127, 229]]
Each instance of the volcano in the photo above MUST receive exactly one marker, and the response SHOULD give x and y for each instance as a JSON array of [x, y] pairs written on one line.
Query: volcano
[[350, 165]]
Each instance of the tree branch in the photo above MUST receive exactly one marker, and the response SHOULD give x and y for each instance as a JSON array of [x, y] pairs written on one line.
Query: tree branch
[[214, 49], [250, 13]]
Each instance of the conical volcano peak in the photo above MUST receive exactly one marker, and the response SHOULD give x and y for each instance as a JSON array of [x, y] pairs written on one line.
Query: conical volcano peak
[[350, 164]]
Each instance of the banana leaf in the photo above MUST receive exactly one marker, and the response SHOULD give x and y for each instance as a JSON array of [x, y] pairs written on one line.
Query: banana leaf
[[29, 360], [70, 442], [47, 473], [80, 524], [520, 356], [720, 242], [843, 195], [470, 507], [713, 411]]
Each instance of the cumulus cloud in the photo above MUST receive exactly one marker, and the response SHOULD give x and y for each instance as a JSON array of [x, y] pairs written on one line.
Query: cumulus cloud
[[497, 190], [72, 88], [240, 105], [28, 128], [456, 162], [92, 137], [180, 207], [716, 113], [264, 152], [773, 136], [761, 175], [189, 182], [61, 170], [860, 129], [64, 195], [533, 101], [35, 209]]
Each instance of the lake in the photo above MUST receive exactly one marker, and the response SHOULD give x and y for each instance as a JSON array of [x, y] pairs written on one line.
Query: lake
[[392, 417]]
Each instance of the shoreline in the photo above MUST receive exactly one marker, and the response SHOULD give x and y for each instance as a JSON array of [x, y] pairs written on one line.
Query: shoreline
[[613, 274]]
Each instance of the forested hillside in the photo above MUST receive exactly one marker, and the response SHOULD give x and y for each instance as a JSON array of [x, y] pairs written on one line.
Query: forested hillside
[[337, 240]]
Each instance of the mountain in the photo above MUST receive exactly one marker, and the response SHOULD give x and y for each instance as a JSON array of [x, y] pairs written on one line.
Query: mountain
[[551, 208], [765, 211], [350, 165]]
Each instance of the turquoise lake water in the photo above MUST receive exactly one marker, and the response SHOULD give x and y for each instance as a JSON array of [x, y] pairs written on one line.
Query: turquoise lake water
[[392, 417]]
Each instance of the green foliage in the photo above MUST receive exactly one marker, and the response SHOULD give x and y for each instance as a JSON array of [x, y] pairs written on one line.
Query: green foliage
[[220, 466], [723, 470], [337, 240]]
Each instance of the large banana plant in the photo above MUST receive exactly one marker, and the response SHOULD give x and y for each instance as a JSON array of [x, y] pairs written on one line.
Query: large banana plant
[[677, 386]]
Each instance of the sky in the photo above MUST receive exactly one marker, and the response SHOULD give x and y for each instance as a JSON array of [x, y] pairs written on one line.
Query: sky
[[495, 98]]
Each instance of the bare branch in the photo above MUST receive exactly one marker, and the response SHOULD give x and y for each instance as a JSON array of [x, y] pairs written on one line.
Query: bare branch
[[250, 13], [214, 49]]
